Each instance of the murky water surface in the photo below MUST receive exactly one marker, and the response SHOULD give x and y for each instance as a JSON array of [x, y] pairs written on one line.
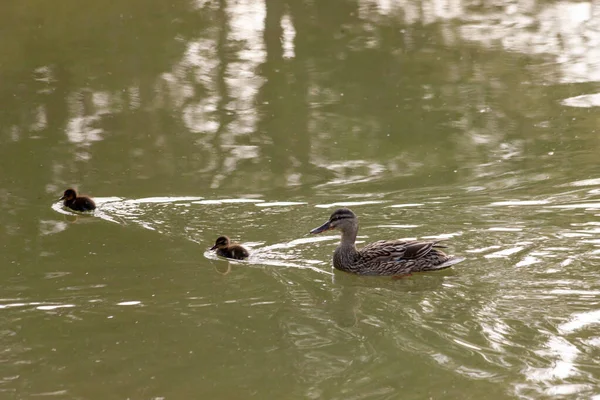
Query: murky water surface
[[256, 119]]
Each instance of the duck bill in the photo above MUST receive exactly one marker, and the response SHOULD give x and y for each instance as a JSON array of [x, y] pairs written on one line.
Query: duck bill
[[214, 247], [325, 227], [62, 198]]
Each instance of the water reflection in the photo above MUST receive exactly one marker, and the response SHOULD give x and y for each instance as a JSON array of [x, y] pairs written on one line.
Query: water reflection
[[256, 119], [244, 75]]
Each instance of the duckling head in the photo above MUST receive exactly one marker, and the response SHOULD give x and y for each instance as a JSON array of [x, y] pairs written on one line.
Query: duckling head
[[342, 218], [221, 243], [69, 194]]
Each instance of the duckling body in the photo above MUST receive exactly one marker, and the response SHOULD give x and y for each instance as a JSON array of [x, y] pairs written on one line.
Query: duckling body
[[77, 203], [227, 249], [384, 257]]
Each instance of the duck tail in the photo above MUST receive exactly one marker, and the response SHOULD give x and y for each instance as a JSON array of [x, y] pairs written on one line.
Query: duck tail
[[437, 243], [450, 262]]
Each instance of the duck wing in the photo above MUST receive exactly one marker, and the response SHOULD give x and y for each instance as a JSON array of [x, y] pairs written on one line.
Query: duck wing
[[396, 250]]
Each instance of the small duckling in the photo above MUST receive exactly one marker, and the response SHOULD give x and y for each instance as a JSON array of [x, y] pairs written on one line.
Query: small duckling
[[227, 249], [77, 203]]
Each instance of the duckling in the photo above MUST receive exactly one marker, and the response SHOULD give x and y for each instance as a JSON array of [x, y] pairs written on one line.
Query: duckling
[[384, 257], [77, 203], [227, 249]]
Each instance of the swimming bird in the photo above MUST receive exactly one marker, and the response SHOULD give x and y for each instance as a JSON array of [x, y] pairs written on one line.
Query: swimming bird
[[384, 257], [227, 249], [77, 203]]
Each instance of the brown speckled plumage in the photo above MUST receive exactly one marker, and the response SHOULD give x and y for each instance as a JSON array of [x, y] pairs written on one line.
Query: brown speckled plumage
[[227, 249], [384, 257]]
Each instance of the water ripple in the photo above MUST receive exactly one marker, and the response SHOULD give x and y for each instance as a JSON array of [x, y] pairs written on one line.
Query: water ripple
[[522, 307]]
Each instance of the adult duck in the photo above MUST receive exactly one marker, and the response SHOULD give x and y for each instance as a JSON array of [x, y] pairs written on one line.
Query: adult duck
[[385, 257], [225, 248], [77, 203]]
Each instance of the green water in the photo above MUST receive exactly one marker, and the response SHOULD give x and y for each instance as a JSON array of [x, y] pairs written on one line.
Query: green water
[[188, 120]]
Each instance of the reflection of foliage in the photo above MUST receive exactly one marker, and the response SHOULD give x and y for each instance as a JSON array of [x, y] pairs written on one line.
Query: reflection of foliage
[[156, 98], [154, 95], [69, 67], [110, 47]]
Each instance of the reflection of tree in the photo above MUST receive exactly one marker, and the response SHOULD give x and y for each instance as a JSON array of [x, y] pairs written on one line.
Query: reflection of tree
[[162, 92], [153, 98], [86, 71], [283, 98], [148, 92], [361, 88]]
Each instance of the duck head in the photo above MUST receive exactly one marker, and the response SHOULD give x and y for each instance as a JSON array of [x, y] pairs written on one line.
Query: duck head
[[69, 194], [221, 243], [342, 218]]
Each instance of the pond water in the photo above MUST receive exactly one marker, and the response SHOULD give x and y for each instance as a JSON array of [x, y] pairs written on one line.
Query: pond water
[[476, 123]]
